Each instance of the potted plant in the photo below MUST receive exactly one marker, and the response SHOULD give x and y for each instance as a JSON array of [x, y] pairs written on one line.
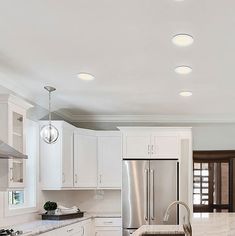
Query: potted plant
[[50, 207]]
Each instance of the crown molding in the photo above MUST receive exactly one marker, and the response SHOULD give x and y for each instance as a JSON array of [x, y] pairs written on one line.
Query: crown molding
[[147, 118], [10, 98], [68, 116]]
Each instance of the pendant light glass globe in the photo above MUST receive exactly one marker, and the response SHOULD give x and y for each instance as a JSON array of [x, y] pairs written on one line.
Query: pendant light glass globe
[[49, 133]]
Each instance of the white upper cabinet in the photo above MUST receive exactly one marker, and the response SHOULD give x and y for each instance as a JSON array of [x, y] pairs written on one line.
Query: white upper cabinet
[[57, 158], [109, 159], [81, 159], [165, 145], [151, 142], [13, 132], [85, 159], [136, 145]]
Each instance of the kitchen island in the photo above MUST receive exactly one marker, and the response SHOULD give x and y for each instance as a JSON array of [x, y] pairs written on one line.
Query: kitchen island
[[203, 224]]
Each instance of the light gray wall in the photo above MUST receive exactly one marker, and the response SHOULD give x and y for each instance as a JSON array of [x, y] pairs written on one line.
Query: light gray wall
[[206, 136]]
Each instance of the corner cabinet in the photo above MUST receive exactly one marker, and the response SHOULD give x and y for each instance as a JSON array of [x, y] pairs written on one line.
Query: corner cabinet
[[56, 160], [13, 132], [81, 159]]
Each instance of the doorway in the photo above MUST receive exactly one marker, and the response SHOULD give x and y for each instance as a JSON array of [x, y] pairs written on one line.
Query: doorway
[[213, 181]]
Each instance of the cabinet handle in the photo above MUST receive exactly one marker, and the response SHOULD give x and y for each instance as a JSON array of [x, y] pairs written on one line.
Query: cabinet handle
[[63, 177], [108, 222], [11, 174], [100, 179], [148, 149], [83, 231], [76, 178], [152, 148], [69, 230]]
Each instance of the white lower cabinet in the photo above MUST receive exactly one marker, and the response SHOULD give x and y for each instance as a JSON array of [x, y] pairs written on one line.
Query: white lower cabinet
[[103, 227], [50, 233], [108, 227], [108, 231], [83, 228]]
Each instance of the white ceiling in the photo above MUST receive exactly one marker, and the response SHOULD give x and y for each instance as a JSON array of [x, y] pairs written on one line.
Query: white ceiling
[[126, 45]]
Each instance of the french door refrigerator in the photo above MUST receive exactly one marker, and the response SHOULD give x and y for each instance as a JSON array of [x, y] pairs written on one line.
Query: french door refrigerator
[[148, 187]]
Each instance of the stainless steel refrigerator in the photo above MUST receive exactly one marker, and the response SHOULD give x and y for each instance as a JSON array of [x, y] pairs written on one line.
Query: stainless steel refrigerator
[[148, 187]]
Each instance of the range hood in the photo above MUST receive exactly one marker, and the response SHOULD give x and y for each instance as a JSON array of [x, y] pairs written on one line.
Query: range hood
[[8, 152]]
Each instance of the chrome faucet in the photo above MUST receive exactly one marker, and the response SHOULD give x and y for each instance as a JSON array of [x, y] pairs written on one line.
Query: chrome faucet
[[187, 227]]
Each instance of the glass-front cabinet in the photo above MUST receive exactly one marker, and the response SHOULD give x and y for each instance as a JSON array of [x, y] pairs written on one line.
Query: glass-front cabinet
[[12, 125], [16, 166]]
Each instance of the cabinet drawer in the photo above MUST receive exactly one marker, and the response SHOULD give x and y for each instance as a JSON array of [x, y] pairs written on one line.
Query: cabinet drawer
[[73, 229], [107, 222]]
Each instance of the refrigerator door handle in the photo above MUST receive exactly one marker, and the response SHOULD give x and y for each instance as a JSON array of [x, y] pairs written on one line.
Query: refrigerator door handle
[[146, 194], [152, 207]]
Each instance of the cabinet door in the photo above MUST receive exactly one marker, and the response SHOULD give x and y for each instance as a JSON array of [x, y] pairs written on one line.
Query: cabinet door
[[111, 231], [51, 233], [87, 228], [85, 161], [165, 146], [16, 139], [109, 162], [136, 146], [67, 158], [57, 158]]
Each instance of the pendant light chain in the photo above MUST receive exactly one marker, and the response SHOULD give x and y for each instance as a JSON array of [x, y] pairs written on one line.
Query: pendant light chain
[[49, 133]]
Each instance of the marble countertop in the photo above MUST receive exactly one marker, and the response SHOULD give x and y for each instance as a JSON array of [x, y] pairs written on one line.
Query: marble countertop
[[164, 229], [42, 226], [213, 224], [203, 224]]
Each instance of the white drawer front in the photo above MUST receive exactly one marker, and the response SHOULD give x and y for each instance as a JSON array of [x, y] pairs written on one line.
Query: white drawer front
[[107, 222]]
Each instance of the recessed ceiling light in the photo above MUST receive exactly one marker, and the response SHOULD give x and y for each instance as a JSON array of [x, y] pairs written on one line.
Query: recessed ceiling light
[[185, 93], [183, 70], [182, 40], [85, 76]]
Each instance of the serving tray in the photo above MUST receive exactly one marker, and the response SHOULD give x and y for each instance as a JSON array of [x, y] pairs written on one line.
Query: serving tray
[[62, 217]]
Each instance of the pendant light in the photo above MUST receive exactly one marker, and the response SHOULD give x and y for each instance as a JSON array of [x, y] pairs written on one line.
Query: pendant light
[[49, 133]]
